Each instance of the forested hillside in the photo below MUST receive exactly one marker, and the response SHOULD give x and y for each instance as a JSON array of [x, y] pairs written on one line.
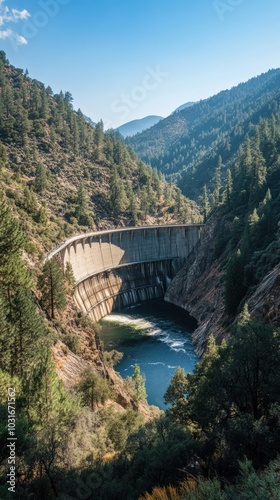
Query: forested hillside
[[64, 175], [60, 176], [220, 436], [186, 145], [238, 258], [87, 434]]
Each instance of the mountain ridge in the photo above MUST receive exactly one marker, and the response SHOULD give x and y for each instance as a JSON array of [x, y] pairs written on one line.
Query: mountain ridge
[[136, 126], [186, 145]]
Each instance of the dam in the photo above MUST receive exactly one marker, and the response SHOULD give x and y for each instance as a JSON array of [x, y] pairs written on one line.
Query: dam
[[121, 267]]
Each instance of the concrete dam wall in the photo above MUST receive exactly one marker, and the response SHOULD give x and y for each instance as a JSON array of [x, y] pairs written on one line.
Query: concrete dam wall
[[122, 267]]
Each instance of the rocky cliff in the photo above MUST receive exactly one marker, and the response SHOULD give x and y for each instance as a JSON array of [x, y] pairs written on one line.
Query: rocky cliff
[[199, 289]]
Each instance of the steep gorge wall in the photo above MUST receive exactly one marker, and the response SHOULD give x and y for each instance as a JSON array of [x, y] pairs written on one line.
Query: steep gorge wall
[[118, 268], [198, 288]]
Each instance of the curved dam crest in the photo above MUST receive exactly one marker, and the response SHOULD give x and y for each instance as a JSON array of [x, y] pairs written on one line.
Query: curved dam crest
[[122, 267]]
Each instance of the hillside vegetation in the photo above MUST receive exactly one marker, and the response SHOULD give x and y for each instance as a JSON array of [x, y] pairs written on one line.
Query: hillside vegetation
[[65, 176], [61, 176], [87, 433], [186, 145]]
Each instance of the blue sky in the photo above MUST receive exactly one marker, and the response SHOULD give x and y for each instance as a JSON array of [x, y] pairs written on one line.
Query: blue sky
[[124, 60]]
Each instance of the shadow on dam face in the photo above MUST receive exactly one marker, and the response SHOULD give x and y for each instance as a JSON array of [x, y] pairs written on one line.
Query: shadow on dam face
[[118, 268]]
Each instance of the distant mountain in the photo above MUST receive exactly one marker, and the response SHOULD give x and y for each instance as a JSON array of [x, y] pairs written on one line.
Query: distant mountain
[[135, 126], [186, 145], [184, 106]]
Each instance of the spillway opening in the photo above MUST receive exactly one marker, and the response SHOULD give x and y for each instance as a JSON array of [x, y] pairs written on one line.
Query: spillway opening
[[155, 335]]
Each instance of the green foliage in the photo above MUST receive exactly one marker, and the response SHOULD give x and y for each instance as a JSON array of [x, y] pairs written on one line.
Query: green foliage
[[28, 330], [13, 272], [52, 287], [187, 145], [235, 288], [82, 212], [73, 342], [93, 389], [205, 205], [112, 358], [3, 156], [82, 174], [176, 395], [228, 409], [139, 384], [210, 490], [69, 276], [120, 427], [41, 179], [233, 394]]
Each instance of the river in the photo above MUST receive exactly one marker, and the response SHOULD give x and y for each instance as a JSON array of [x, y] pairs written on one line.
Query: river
[[155, 335]]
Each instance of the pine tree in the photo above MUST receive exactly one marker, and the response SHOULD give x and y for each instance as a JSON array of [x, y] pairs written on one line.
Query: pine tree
[[93, 389], [177, 388], [205, 204], [229, 186], [139, 384], [259, 172], [27, 330], [217, 183], [41, 179], [3, 156], [132, 204], [52, 286], [98, 136], [30, 202], [5, 335], [234, 284], [82, 212], [13, 271], [118, 199]]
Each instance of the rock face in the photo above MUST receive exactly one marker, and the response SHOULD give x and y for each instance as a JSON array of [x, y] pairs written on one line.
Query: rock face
[[199, 287], [68, 365], [264, 304]]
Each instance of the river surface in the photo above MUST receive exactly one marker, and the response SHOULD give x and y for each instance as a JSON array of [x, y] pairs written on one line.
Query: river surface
[[156, 336]]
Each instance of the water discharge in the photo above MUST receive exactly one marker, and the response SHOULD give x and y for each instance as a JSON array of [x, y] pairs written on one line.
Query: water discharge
[[156, 336]]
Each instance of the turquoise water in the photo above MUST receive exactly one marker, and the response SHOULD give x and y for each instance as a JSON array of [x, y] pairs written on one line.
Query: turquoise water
[[156, 336]]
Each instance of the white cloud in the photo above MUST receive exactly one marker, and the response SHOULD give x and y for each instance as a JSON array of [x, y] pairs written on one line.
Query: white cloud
[[20, 14], [5, 34], [20, 39], [8, 16]]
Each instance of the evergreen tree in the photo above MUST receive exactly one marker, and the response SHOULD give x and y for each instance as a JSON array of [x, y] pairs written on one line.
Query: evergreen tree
[[52, 286], [229, 186], [132, 204], [98, 136], [205, 204], [5, 335], [3, 156], [93, 389], [27, 330], [259, 172], [139, 384], [217, 183], [13, 272], [235, 288], [118, 199], [82, 212], [30, 202], [41, 179]]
